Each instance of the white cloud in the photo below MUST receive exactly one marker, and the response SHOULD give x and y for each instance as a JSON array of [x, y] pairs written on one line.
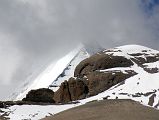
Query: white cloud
[[41, 30], [10, 58]]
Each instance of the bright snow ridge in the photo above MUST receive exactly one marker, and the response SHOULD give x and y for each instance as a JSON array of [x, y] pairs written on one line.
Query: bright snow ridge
[[52, 72]]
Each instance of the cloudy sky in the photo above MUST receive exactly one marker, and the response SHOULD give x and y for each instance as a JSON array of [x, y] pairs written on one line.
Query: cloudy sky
[[36, 32]]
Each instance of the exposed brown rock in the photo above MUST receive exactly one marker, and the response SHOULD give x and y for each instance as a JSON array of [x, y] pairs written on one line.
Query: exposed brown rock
[[62, 95], [96, 82], [100, 81], [71, 90], [77, 88], [40, 95], [80, 88], [100, 62], [151, 70], [140, 60]]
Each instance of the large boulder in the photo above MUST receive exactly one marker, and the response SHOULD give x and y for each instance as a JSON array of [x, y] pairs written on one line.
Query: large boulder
[[40, 95], [71, 90], [100, 61]]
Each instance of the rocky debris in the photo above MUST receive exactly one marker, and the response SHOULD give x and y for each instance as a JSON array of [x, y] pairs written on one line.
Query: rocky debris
[[71, 90], [140, 94], [6, 104], [141, 58], [151, 70], [40, 95], [100, 62]]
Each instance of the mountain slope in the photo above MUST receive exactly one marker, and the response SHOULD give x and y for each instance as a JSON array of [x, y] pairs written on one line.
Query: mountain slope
[[142, 86], [69, 70]]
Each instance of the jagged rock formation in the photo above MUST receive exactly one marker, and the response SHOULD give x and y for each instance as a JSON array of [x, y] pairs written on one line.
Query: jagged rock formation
[[71, 90]]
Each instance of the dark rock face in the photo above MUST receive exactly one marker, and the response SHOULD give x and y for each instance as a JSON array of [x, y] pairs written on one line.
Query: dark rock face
[[140, 60], [2, 105], [77, 88], [151, 70], [40, 95], [62, 95], [99, 82], [100, 62], [71, 90]]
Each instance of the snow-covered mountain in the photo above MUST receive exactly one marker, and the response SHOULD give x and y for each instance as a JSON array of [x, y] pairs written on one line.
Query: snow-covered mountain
[[142, 87]]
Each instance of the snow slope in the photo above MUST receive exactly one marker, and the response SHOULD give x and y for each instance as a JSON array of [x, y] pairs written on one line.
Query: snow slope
[[55, 73], [142, 87], [69, 70], [34, 112]]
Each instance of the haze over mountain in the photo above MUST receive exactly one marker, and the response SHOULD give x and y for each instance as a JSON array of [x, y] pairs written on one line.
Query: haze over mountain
[[35, 33]]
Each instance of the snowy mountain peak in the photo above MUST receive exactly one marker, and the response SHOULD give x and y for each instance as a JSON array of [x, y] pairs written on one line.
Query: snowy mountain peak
[[141, 84], [136, 49]]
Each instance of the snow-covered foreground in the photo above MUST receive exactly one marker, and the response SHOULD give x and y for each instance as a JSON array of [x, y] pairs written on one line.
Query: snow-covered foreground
[[34, 112], [142, 87]]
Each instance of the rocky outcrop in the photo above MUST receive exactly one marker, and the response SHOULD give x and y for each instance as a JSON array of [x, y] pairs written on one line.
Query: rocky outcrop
[[40, 95], [101, 81], [90, 80], [100, 62], [71, 90], [62, 94], [78, 88], [144, 57]]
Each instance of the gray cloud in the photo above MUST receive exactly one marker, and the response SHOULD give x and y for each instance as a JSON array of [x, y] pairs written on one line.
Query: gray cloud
[[39, 31]]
